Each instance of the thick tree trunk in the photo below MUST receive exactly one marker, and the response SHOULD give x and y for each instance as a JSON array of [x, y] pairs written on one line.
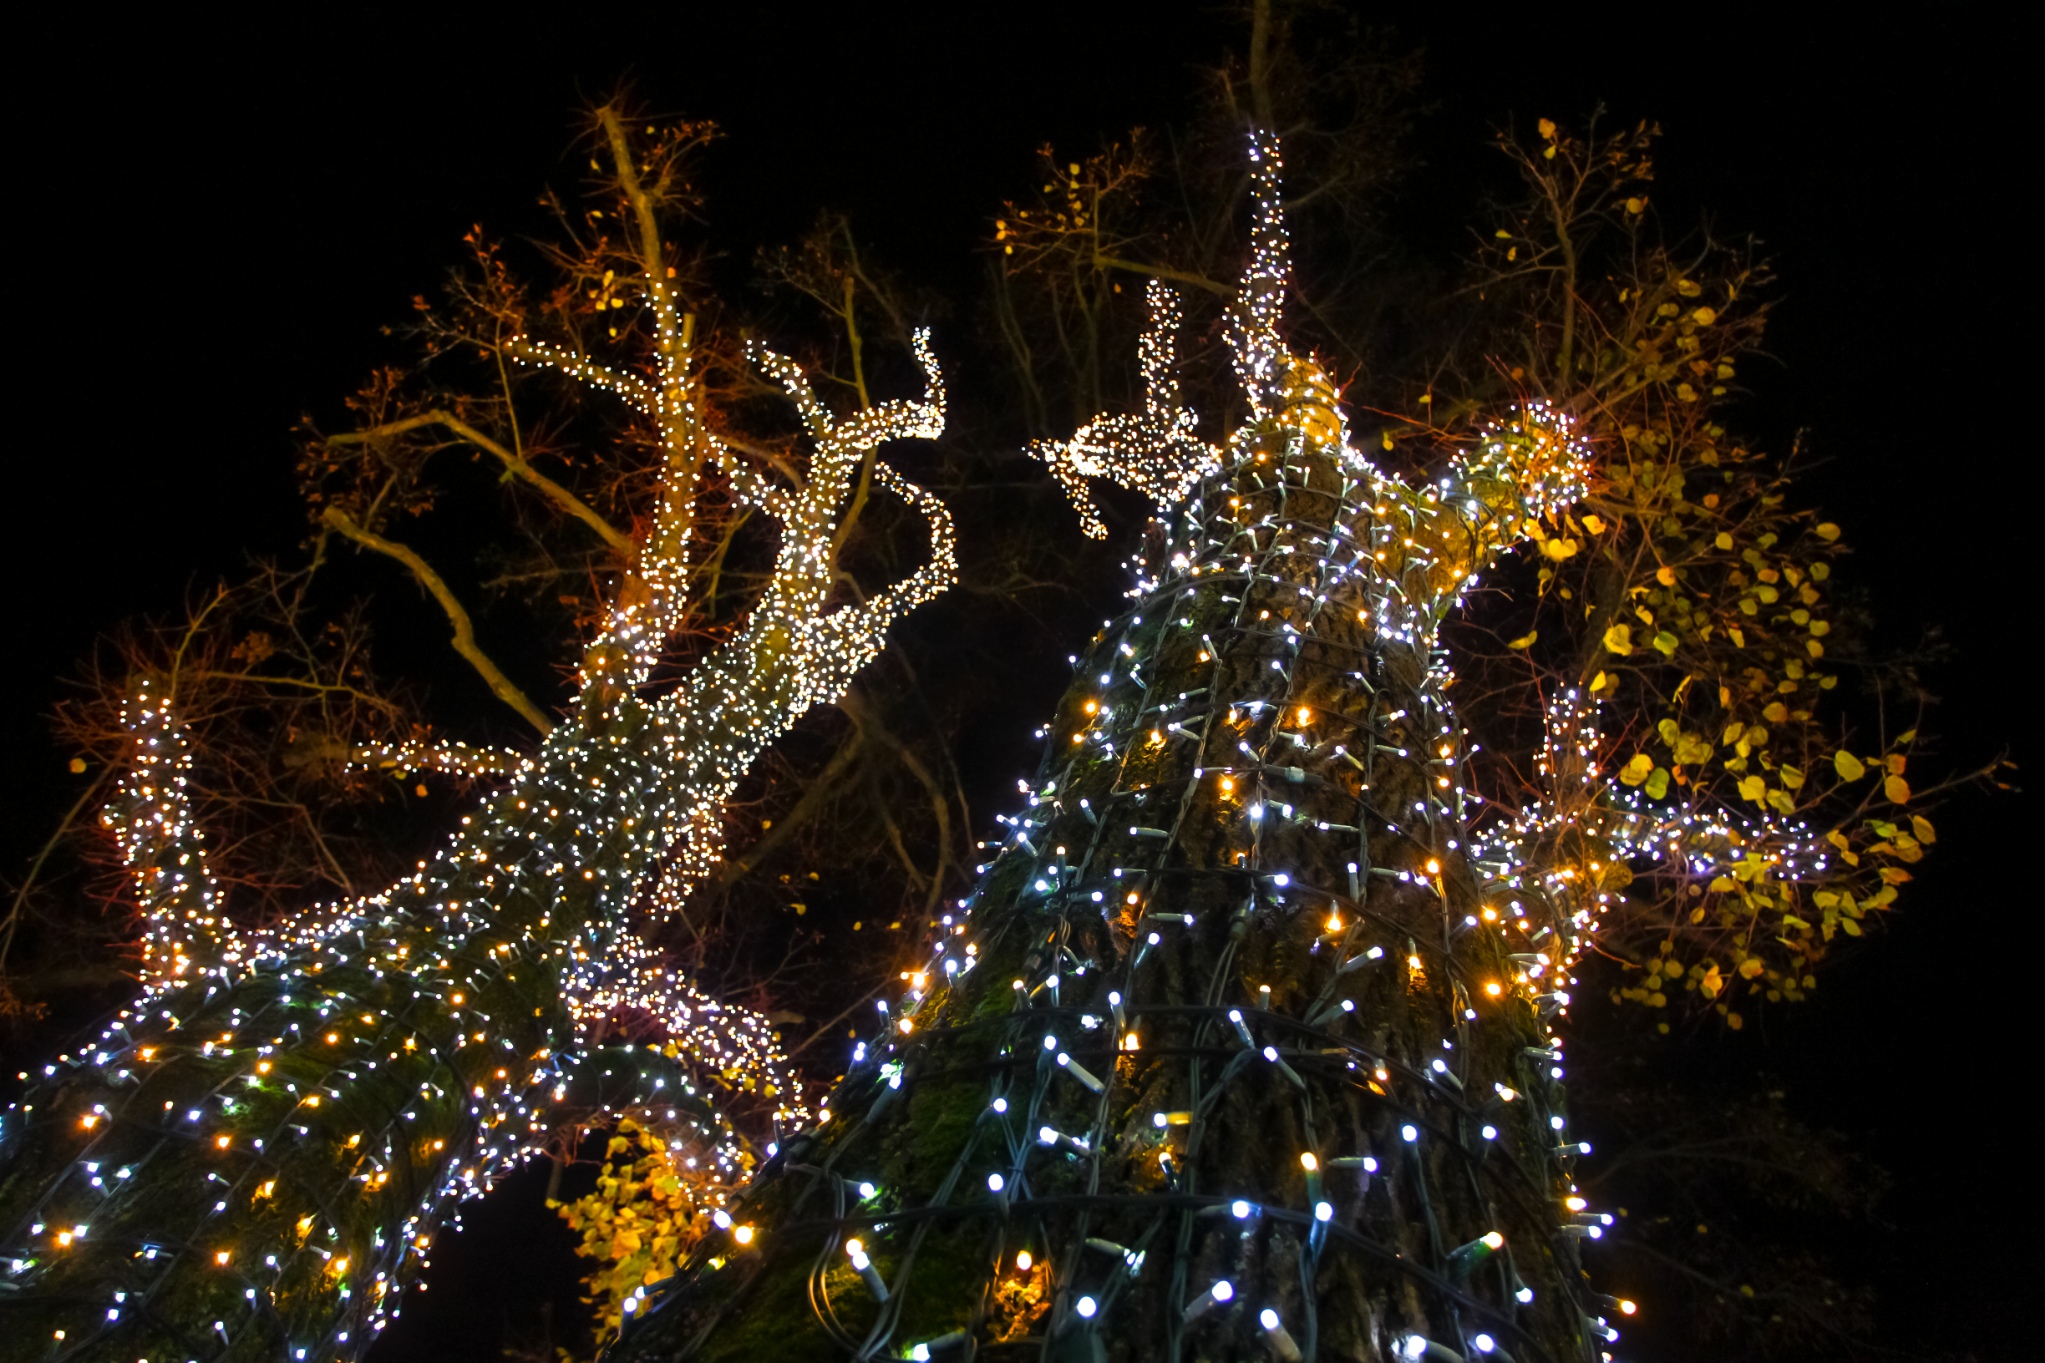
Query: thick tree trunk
[[1216, 1012], [248, 1164]]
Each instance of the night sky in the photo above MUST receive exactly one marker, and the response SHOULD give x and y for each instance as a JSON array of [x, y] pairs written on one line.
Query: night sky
[[210, 221]]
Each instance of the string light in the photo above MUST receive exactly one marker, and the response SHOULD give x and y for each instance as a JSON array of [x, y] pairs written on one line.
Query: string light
[[310, 1101], [1272, 706]]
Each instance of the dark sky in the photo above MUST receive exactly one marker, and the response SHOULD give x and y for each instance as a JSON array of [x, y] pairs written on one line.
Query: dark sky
[[210, 220]]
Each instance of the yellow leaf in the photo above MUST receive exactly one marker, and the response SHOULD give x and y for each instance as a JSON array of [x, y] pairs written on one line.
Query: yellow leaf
[[1635, 205], [1753, 788], [1828, 531], [1619, 639], [1637, 769], [1598, 682], [1723, 541], [1922, 827], [1525, 640], [1751, 967], [1594, 524], [1559, 548], [1897, 789], [1848, 766], [1852, 928], [1704, 317], [1547, 126], [1665, 575]]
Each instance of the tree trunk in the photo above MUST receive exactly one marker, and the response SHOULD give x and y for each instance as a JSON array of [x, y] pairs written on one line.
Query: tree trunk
[[1217, 1011]]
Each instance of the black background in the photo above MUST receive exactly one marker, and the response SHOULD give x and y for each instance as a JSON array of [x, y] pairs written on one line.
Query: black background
[[210, 218]]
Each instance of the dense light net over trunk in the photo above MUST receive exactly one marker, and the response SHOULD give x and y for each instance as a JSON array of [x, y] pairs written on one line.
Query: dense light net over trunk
[[1239, 1047]]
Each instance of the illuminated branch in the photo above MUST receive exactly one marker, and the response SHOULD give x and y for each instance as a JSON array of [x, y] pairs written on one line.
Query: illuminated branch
[[1155, 453]]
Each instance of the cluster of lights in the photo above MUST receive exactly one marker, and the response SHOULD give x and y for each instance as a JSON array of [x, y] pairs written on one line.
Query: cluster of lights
[[301, 1107], [1155, 453], [1089, 872]]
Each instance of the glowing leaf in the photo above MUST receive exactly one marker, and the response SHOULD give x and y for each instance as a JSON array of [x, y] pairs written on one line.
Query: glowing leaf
[[1753, 788], [1704, 317], [1828, 531], [1922, 827], [1594, 524], [1636, 770], [1897, 789], [1848, 766], [1619, 639], [1658, 783], [1665, 575], [1666, 642], [1547, 126], [1525, 640]]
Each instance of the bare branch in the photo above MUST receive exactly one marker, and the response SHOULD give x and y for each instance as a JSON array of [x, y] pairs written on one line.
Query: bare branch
[[465, 644]]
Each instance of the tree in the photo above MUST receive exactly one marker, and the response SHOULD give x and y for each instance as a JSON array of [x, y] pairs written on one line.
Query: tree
[[255, 1155], [1243, 1032]]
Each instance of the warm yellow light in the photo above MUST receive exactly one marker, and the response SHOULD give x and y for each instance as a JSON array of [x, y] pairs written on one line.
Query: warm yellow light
[[919, 980], [1628, 1307], [1494, 1240], [1433, 867], [1023, 1261], [1306, 716], [1575, 1204], [223, 1141], [855, 1246], [1227, 784], [221, 1257], [742, 1234], [1308, 1162], [1092, 707], [1494, 988], [1334, 922]]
